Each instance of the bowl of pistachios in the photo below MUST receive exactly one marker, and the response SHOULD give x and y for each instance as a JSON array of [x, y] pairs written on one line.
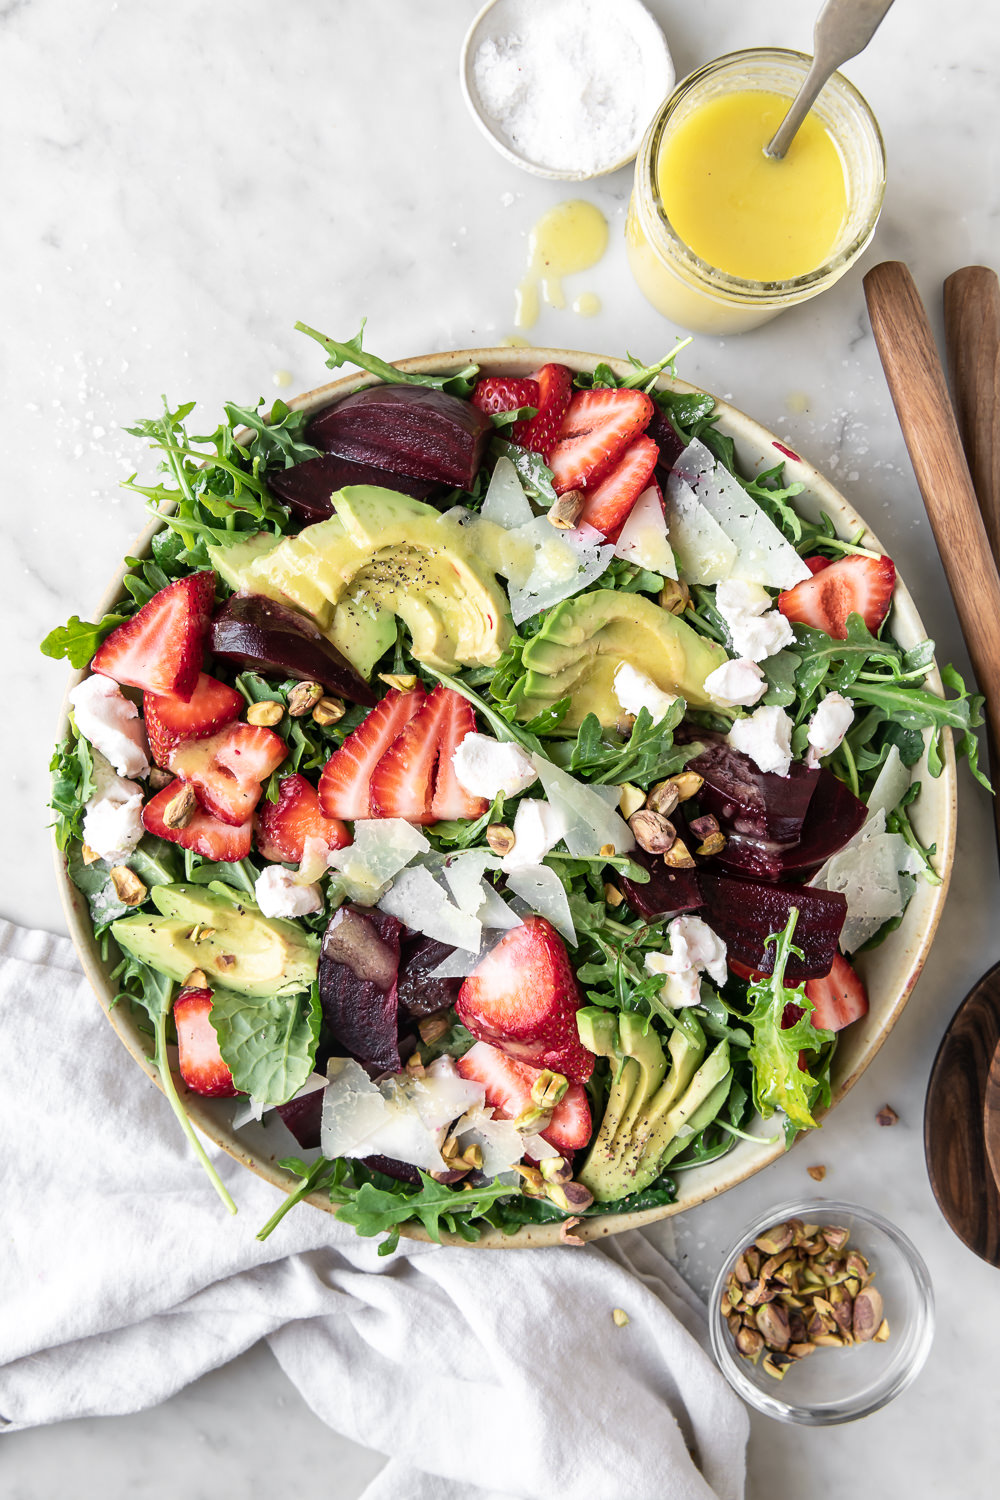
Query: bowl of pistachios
[[821, 1313]]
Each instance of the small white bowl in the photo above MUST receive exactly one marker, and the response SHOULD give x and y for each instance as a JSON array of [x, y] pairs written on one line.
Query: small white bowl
[[501, 18]]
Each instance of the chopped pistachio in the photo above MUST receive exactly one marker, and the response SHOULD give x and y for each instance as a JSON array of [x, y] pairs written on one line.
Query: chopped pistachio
[[663, 798], [403, 682], [303, 698], [817, 1173], [328, 711], [774, 1240], [128, 887], [772, 1324], [620, 1317], [548, 1089], [714, 844], [653, 832], [566, 510], [266, 713], [776, 1363], [612, 894], [630, 799], [836, 1236], [867, 1314], [196, 980], [750, 1343], [90, 856], [887, 1115], [679, 856], [675, 596], [500, 838], [881, 1333], [181, 808]]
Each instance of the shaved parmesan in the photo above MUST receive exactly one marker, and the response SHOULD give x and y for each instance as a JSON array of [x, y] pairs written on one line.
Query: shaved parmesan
[[643, 538], [463, 874], [402, 1117], [420, 903], [590, 823], [545, 893], [701, 547], [498, 1140], [382, 847], [763, 555], [547, 565], [506, 503], [872, 873], [463, 962], [890, 784]]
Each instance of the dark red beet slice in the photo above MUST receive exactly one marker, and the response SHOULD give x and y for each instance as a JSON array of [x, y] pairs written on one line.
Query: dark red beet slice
[[408, 429], [265, 636], [419, 993], [834, 817], [747, 800], [304, 1117], [401, 1170], [306, 488], [668, 891], [358, 967], [661, 430], [746, 912]]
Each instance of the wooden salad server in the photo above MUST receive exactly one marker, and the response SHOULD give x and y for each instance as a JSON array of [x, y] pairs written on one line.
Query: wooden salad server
[[955, 1118]]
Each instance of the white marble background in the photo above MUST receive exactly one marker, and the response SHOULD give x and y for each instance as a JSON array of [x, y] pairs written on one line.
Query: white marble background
[[180, 184]]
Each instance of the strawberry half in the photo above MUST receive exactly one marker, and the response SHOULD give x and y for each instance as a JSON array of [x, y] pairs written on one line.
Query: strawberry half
[[228, 769], [450, 799], [283, 826], [161, 648], [508, 1089], [198, 1056], [524, 997], [499, 393], [838, 998], [555, 387], [203, 835], [854, 585], [345, 783], [817, 564], [606, 507], [402, 783], [170, 719], [597, 428]]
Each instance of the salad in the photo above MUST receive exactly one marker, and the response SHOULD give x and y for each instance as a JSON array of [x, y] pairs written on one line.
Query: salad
[[485, 777]]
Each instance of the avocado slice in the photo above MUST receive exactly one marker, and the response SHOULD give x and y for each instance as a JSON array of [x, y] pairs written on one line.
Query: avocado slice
[[232, 562], [583, 642], [362, 631], [224, 935]]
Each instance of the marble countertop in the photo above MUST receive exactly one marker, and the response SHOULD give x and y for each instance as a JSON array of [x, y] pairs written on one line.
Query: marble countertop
[[181, 185]]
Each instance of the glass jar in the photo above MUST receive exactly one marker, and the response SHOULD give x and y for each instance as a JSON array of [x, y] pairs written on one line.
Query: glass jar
[[699, 296]]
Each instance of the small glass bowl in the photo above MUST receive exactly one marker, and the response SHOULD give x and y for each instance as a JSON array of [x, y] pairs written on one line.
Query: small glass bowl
[[838, 1385]]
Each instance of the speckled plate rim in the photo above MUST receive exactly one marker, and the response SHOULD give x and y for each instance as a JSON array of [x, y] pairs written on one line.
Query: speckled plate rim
[[890, 971]]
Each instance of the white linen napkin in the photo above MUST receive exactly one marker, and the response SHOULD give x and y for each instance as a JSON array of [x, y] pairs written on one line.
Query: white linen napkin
[[484, 1374]]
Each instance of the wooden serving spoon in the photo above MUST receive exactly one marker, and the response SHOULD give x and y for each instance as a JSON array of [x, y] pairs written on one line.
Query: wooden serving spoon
[[955, 1112]]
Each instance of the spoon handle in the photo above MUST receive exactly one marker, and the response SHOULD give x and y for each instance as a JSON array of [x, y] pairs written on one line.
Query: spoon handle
[[972, 339], [919, 393], [843, 29]]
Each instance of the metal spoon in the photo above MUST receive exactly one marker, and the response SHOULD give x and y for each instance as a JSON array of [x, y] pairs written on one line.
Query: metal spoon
[[843, 29]]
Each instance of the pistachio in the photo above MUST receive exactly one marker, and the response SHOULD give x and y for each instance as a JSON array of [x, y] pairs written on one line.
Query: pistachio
[[663, 798], [714, 844], [619, 1317], [500, 838], [450, 1176], [532, 1182], [704, 826], [741, 1269], [774, 1263], [816, 1173], [881, 1333], [403, 682], [612, 894], [303, 698], [653, 832], [797, 1332], [196, 980], [734, 1291], [733, 1321], [566, 510], [266, 713], [755, 1293], [772, 1324], [856, 1265], [415, 1066], [624, 724], [89, 856], [226, 962], [128, 887], [159, 778], [181, 808], [887, 1115], [548, 1089], [607, 851], [556, 1169], [835, 1236], [867, 1314], [750, 1343], [630, 799], [432, 1028], [752, 1255], [473, 1155], [801, 1350], [328, 711], [571, 1197], [566, 1235], [843, 1307], [828, 1341], [774, 1240], [688, 784], [679, 856], [776, 1364], [675, 596], [533, 1120]]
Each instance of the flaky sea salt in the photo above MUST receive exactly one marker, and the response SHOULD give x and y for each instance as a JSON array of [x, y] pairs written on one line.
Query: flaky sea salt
[[568, 84]]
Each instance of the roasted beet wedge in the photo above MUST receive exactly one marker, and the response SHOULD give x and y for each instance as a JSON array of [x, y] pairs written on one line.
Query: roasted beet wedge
[[668, 891], [358, 968], [408, 429], [306, 488], [304, 1118], [745, 913], [661, 430], [265, 636], [834, 817], [419, 993], [747, 800]]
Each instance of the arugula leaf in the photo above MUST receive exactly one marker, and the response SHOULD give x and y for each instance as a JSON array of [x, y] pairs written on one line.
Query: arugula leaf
[[351, 353], [72, 767], [278, 440], [500, 726], [649, 754], [269, 1042], [77, 640], [629, 578], [778, 1081], [373, 1210], [532, 470], [154, 992]]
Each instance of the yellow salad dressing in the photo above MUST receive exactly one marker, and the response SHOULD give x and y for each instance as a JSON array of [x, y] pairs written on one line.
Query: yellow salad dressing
[[740, 210], [568, 239]]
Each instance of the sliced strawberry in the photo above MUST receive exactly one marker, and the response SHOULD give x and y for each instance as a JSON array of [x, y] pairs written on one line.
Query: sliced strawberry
[[555, 387], [839, 998], [607, 506], [170, 719], [402, 783], [229, 768], [498, 393], [161, 648], [524, 997], [854, 585], [198, 1056], [597, 428], [203, 835], [817, 564], [450, 799], [283, 826], [508, 1089], [345, 784]]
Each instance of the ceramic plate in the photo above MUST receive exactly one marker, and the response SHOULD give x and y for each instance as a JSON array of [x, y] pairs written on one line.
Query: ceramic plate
[[890, 971]]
